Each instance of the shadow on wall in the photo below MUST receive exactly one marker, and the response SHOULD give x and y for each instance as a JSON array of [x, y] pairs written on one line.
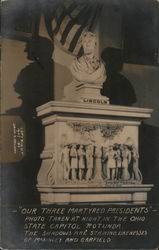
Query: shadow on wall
[[35, 87], [149, 159], [117, 87]]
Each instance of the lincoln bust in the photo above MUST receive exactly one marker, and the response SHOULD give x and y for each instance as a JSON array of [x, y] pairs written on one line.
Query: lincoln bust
[[88, 68]]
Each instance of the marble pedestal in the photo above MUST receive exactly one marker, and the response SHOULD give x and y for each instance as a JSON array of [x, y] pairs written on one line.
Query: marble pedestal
[[77, 163]]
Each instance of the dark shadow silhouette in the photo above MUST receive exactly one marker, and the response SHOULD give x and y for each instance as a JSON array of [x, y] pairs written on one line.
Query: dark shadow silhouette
[[35, 87], [149, 159], [117, 87]]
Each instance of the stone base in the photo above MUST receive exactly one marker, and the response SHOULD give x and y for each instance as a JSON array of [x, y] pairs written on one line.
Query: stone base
[[74, 130], [127, 194]]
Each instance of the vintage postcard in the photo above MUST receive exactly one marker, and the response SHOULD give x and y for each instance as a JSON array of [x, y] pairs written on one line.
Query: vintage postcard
[[79, 124]]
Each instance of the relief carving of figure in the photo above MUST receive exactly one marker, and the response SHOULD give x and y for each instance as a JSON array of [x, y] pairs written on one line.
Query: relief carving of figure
[[118, 164], [74, 162], [98, 164], [65, 160], [126, 158], [88, 68], [89, 161], [81, 161], [111, 163], [136, 174]]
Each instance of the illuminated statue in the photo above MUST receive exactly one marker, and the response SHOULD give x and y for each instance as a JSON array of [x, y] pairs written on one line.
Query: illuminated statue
[[74, 162], [98, 164], [81, 161], [88, 68], [136, 174], [65, 160], [89, 161], [111, 163], [118, 164], [126, 158]]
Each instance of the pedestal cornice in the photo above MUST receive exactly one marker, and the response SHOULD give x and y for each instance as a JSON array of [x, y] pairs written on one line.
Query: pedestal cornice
[[65, 107]]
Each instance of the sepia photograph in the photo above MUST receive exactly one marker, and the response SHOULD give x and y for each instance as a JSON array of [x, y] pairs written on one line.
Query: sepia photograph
[[79, 124]]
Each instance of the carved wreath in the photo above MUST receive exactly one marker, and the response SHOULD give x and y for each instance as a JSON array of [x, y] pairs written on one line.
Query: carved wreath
[[107, 130]]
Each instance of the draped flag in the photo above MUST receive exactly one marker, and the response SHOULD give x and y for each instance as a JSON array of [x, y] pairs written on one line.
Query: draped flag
[[67, 20]]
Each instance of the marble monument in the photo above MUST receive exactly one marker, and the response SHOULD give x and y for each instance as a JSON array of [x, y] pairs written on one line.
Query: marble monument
[[91, 151]]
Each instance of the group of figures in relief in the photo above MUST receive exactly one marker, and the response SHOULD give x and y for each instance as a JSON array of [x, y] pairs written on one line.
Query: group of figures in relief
[[117, 162]]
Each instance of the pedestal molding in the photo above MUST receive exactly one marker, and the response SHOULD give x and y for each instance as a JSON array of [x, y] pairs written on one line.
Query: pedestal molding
[[54, 118], [123, 195], [55, 107]]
